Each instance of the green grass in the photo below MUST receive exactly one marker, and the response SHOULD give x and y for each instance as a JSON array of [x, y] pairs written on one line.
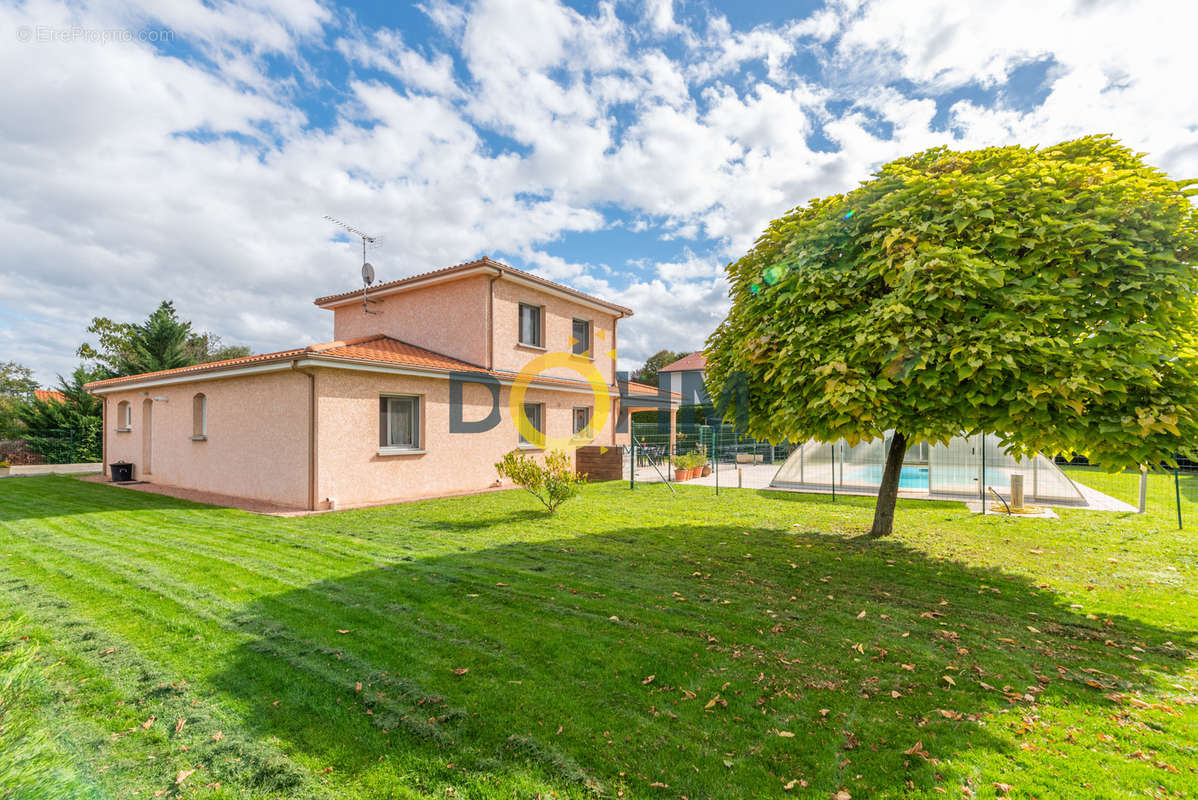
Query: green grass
[[634, 645]]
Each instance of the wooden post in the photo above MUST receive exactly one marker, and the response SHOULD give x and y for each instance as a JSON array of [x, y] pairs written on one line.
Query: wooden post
[[1143, 489]]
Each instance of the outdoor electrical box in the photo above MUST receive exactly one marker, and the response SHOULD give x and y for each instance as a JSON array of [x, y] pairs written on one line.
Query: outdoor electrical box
[[121, 471]]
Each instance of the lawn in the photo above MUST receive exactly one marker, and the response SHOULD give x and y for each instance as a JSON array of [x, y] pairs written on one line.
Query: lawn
[[636, 645]]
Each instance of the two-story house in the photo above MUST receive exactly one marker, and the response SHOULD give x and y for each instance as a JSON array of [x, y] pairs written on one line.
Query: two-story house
[[428, 382]]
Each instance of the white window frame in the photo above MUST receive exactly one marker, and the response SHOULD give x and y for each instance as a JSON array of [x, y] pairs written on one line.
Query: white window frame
[[385, 446], [540, 314], [539, 425], [585, 352], [126, 424]]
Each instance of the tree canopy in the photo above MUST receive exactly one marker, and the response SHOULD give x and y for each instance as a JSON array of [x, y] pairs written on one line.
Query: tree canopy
[[1045, 295], [16, 388], [162, 341], [68, 430], [648, 371]]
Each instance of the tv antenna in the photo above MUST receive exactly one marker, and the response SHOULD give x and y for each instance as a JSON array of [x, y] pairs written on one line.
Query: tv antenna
[[367, 267]]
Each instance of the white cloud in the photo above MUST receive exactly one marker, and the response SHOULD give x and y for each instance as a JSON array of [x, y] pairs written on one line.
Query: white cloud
[[128, 175]]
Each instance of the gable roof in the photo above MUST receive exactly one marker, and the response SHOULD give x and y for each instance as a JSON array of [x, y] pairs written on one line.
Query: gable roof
[[49, 394], [377, 350], [694, 361], [484, 264]]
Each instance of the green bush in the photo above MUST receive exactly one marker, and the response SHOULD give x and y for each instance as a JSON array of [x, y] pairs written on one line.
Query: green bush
[[553, 483]]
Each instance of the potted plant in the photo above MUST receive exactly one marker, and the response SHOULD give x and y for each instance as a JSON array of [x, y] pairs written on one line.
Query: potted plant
[[704, 464], [682, 469]]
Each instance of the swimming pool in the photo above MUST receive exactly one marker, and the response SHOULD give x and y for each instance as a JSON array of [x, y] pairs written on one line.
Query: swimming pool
[[913, 476]]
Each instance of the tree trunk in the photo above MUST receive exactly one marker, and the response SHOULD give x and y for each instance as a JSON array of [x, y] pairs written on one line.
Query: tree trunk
[[888, 491]]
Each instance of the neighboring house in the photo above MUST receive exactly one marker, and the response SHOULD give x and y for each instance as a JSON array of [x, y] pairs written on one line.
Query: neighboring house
[[685, 377], [49, 394], [366, 418]]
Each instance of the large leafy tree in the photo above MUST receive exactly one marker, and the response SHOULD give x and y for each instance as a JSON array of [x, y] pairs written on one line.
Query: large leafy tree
[[162, 341], [67, 430], [1044, 295], [16, 389]]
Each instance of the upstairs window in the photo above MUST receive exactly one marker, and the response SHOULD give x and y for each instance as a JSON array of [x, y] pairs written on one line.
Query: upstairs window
[[582, 337], [535, 412], [530, 325], [399, 423], [199, 416]]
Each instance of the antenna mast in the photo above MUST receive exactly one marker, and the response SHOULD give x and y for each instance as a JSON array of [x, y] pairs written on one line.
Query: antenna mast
[[367, 268]]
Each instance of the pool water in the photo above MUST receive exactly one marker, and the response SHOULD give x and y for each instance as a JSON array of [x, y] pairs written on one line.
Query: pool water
[[912, 476]]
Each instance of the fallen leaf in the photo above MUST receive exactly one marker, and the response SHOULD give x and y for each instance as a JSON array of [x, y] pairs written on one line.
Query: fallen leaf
[[183, 775], [325, 771], [461, 670], [145, 726], [648, 680], [501, 584], [179, 725], [342, 632], [861, 615], [842, 795], [949, 680], [786, 734], [216, 737], [358, 686]]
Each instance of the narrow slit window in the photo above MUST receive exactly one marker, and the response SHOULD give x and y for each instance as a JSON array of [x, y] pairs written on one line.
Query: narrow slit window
[[199, 416], [124, 416]]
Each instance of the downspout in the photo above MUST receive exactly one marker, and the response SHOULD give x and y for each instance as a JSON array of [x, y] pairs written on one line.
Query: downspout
[[491, 320], [615, 379], [104, 437], [311, 434]]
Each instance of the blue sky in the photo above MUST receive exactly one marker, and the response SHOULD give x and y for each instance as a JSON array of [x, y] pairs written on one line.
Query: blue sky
[[628, 149]]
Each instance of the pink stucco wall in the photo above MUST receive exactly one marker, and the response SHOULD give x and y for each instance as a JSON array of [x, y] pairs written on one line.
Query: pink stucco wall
[[448, 318], [351, 470], [558, 327], [258, 425], [452, 318], [257, 443]]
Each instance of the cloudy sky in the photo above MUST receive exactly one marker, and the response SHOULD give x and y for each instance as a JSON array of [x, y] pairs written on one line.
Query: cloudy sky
[[189, 150]]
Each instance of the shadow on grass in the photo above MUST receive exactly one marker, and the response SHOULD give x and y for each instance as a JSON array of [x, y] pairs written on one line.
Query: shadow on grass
[[712, 661]]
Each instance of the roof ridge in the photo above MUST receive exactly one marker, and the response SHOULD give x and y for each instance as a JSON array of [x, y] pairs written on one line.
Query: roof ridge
[[478, 262], [333, 345]]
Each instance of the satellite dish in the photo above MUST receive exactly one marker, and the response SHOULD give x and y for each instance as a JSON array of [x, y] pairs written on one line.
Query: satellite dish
[[367, 273]]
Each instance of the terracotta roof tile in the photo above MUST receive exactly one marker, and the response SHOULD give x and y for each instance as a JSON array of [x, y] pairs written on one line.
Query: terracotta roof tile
[[377, 349], [386, 350], [195, 368], [693, 361], [49, 394], [469, 265]]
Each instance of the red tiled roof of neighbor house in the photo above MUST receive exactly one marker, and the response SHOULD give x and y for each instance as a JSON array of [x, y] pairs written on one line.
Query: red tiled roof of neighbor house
[[49, 394], [376, 349], [694, 361], [465, 267]]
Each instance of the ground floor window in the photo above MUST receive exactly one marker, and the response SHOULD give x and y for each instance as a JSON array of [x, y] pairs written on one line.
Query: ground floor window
[[582, 419], [399, 422], [535, 412]]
